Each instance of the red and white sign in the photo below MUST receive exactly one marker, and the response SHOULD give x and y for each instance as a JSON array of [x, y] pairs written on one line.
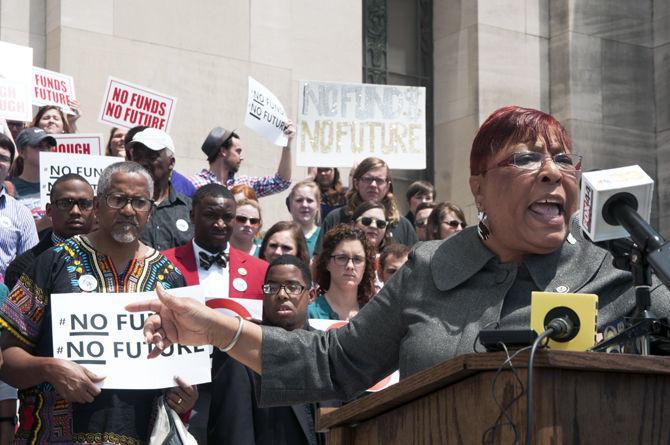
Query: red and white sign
[[244, 307], [52, 88], [128, 105], [16, 64], [79, 143]]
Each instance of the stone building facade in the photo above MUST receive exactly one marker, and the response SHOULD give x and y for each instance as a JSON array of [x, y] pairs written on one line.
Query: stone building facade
[[602, 67]]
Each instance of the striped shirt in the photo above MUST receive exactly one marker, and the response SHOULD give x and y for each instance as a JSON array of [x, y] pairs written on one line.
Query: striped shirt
[[17, 229], [263, 186]]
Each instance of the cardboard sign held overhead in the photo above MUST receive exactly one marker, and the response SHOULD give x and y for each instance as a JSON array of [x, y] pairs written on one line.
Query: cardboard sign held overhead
[[128, 105], [265, 114], [79, 143], [340, 124], [52, 88], [16, 63]]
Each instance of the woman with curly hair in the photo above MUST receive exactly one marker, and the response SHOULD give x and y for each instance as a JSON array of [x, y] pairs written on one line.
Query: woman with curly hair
[[371, 181], [345, 274]]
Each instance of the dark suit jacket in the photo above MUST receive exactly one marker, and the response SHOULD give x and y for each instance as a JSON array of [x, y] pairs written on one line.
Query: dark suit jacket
[[21, 263], [236, 418], [242, 266]]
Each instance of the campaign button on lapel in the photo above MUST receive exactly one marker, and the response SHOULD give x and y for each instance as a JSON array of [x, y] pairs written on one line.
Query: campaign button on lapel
[[87, 283], [239, 284]]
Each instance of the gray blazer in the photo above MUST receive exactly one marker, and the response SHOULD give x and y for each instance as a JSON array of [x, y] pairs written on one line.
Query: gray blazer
[[432, 310]]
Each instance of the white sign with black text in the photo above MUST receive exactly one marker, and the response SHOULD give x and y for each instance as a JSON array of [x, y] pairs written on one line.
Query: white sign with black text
[[95, 331]]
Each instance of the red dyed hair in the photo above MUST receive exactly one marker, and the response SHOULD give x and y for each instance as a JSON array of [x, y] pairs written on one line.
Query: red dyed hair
[[514, 125]]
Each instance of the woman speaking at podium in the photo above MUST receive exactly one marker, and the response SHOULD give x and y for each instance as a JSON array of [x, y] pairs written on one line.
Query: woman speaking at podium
[[524, 179]]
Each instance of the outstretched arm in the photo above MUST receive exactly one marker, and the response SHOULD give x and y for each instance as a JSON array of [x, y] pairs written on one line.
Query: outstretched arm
[[189, 322], [284, 169]]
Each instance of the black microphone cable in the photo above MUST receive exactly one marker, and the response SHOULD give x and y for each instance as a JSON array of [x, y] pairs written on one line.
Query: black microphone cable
[[557, 328]]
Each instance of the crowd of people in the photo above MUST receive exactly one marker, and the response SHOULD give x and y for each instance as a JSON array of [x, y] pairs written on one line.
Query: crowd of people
[[148, 224], [411, 290]]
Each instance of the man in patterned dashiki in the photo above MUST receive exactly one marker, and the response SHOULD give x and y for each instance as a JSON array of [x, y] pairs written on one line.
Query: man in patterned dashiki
[[59, 399]]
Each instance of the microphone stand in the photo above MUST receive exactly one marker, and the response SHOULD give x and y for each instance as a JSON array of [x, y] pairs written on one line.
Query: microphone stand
[[647, 250], [629, 257]]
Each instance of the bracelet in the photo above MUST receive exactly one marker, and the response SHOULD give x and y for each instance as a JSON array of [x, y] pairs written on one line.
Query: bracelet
[[233, 342], [10, 419]]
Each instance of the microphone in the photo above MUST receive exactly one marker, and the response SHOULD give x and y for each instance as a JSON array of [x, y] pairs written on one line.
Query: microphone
[[609, 204], [571, 318], [603, 199]]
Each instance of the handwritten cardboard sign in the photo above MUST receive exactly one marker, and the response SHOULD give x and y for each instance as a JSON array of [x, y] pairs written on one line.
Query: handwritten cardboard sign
[[128, 105], [52, 88], [79, 143], [16, 64], [95, 331], [265, 114], [342, 123], [54, 165]]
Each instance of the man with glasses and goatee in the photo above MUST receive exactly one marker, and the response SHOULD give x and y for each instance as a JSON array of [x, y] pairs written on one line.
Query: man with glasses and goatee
[[60, 401]]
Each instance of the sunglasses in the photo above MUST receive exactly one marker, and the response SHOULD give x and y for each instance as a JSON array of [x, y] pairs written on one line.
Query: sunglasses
[[68, 203], [374, 222], [421, 223], [243, 220], [455, 223]]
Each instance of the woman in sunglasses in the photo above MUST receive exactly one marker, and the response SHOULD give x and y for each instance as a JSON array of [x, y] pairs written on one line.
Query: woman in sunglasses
[[423, 211], [370, 217], [371, 181], [246, 225], [345, 274], [445, 220]]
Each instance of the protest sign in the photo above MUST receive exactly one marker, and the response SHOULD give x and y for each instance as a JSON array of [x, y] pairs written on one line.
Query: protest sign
[[265, 114], [326, 325], [94, 330], [54, 165], [244, 307], [340, 124], [79, 143], [128, 105], [52, 88], [15, 85]]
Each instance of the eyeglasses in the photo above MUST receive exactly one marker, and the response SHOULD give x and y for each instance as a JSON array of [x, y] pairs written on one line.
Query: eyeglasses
[[533, 160], [343, 260], [243, 220], [369, 180], [120, 201], [290, 288], [421, 223], [455, 223], [68, 203], [374, 222]]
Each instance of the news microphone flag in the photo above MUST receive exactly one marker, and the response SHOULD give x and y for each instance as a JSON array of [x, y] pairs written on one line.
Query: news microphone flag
[[599, 186], [544, 306]]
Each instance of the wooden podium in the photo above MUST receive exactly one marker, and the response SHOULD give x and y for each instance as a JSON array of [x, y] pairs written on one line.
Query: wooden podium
[[580, 398]]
